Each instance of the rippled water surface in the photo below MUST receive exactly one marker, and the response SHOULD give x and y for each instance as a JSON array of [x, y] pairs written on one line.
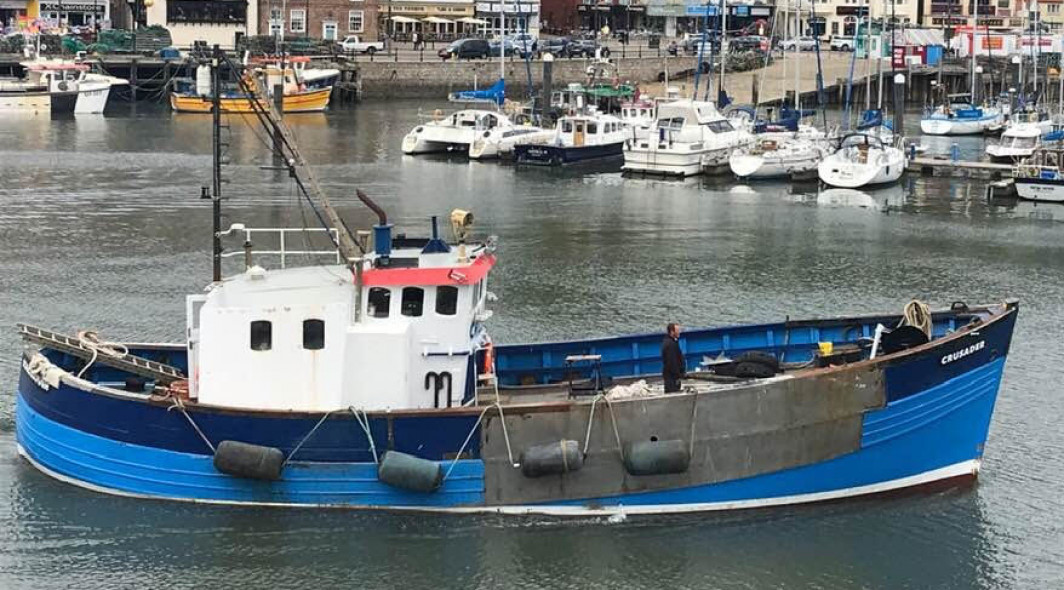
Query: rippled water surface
[[101, 227]]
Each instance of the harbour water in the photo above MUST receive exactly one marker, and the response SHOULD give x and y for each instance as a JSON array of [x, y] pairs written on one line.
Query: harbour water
[[101, 227]]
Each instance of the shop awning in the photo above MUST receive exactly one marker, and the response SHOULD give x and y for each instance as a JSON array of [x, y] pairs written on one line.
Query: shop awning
[[404, 19], [439, 21], [472, 21]]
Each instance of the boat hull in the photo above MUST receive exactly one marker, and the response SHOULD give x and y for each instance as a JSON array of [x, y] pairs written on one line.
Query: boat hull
[[912, 419], [944, 126], [553, 155], [1040, 189], [661, 161], [312, 101], [842, 173]]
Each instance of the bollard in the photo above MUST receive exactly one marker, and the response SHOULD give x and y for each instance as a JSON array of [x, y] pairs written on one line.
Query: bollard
[[548, 82], [899, 105], [954, 153]]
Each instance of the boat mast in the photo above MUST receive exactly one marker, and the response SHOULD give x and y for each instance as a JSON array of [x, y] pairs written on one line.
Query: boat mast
[[723, 22], [819, 68], [502, 39], [868, 54], [975, 28], [1037, 53], [879, 62], [797, 59], [216, 180]]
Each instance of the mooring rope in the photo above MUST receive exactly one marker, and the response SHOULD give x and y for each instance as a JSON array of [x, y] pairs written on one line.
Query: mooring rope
[[306, 438], [91, 340], [613, 420], [177, 403], [469, 437], [365, 428]]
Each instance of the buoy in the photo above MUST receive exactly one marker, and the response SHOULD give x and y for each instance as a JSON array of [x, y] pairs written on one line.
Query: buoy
[[556, 458], [657, 457], [408, 472], [250, 461]]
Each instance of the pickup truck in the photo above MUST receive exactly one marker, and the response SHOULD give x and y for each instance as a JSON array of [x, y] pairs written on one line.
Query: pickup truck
[[840, 43], [354, 44]]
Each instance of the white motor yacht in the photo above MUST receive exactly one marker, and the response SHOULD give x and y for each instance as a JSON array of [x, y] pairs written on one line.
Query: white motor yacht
[[687, 137], [1021, 137], [862, 160]]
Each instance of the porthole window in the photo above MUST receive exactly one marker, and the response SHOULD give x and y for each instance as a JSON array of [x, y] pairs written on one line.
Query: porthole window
[[413, 301], [446, 300], [313, 334], [379, 302], [261, 335]]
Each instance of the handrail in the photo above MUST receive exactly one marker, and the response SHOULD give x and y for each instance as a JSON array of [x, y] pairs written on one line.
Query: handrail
[[283, 252]]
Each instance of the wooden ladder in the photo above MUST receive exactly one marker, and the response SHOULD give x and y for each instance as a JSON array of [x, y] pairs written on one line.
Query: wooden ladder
[[126, 362]]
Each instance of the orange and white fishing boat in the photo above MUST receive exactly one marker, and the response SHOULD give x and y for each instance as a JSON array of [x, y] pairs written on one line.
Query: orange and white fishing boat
[[305, 90]]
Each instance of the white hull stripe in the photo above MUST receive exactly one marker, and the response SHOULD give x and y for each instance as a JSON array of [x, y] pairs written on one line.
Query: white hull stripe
[[970, 467]]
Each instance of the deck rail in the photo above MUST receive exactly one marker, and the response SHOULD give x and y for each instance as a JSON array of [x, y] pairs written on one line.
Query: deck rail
[[283, 251]]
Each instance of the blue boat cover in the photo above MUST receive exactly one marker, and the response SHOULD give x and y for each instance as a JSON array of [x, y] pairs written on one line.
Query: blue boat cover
[[496, 94]]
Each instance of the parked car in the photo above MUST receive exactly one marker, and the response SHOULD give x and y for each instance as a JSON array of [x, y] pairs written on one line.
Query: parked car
[[693, 43], [355, 44], [587, 48], [558, 47], [748, 43], [525, 43], [798, 44], [508, 48], [466, 49], [840, 43]]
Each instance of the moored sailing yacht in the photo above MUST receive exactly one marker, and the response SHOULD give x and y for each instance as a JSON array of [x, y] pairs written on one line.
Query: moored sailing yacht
[[862, 160]]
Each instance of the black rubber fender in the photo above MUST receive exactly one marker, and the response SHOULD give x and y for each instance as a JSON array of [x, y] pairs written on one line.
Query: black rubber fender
[[249, 461], [556, 458], [408, 472], [657, 457]]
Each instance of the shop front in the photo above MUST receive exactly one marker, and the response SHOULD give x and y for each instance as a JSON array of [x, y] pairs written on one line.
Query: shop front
[[83, 13], [520, 17], [10, 13], [439, 20]]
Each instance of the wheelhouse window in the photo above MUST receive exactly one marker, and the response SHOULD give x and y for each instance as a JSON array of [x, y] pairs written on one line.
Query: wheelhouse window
[[567, 126], [261, 335], [446, 300], [720, 126], [592, 128], [413, 301], [379, 302], [313, 334]]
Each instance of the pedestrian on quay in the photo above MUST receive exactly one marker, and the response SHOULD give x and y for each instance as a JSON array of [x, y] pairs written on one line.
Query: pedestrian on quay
[[673, 365], [417, 40]]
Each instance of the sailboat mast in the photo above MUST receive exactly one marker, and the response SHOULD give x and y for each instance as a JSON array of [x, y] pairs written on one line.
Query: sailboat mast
[[868, 54], [723, 45], [879, 63], [1037, 53], [975, 28], [797, 60], [502, 39], [819, 68]]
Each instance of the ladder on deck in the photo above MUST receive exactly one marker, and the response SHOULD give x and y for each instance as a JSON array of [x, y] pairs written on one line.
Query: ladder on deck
[[129, 363]]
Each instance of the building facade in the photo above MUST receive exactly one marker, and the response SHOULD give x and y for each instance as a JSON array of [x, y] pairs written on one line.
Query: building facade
[[996, 15], [213, 22], [675, 17], [329, 20]]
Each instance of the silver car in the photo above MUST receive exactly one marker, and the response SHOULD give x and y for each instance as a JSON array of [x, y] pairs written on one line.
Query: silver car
[[798, 44]]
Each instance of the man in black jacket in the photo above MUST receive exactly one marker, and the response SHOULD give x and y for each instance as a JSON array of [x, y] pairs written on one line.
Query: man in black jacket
[[674, 367]]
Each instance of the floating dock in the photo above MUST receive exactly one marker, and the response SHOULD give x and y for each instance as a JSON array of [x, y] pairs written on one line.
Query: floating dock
[[944, 166]]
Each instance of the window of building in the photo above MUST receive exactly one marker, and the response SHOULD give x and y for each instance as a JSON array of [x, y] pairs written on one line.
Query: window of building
[[446, 300], [313, 334], [379, 302], [1052, 8], [835, 28], [355, 21], [298, 21], [261, 335], [413, 301], [206, 11]]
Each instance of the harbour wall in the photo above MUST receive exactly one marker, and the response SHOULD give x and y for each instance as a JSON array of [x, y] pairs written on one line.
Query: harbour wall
[[382, 79]]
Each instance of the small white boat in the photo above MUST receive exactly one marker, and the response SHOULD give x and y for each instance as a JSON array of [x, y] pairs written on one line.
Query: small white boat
[[1021, 137], [456, 132], [960, 119], [500, 141], [862, 160], [576, 138], [1039, 178], [777, 155], [58, 86]]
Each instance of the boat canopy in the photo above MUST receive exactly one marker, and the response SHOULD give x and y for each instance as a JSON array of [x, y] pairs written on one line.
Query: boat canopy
[[494, 94]]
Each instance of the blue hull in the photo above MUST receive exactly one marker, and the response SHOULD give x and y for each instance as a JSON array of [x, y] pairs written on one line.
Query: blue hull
[[932, 427], [552, 155]]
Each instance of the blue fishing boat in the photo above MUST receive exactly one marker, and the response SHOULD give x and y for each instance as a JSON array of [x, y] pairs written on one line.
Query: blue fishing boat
[[372, 382]]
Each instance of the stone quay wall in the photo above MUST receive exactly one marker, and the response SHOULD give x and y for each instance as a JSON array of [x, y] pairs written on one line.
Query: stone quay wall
[[385, 79]]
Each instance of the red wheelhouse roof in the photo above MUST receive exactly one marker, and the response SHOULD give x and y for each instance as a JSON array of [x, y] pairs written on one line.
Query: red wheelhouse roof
[[443, 275]]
